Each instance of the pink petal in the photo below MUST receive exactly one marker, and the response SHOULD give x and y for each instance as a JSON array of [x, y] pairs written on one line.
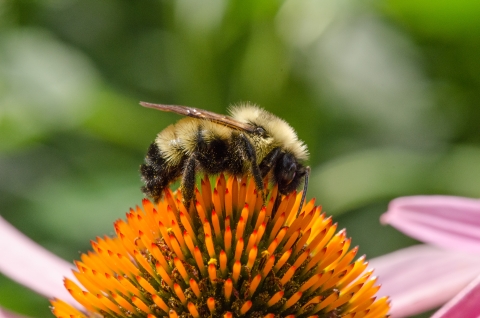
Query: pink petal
[[31, 265], [7, 314], [423, 277], [446, 221], [465, 305]]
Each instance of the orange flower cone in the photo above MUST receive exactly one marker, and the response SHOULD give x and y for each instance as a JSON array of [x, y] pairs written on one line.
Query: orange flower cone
[[229, 256]]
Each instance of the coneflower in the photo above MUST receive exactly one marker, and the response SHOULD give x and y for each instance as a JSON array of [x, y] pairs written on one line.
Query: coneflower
[[228, 256]]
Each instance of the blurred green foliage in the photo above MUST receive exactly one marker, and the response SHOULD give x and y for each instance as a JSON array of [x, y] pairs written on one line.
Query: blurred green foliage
[[385, 93]]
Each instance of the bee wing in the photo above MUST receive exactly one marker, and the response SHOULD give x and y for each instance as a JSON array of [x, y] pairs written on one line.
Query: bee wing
[[201, 114]]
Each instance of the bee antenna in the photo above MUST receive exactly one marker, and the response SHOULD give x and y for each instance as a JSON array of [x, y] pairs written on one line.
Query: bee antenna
[[304, 194]]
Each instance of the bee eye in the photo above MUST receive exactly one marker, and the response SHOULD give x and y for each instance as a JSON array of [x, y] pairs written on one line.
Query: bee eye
[[260, 131]]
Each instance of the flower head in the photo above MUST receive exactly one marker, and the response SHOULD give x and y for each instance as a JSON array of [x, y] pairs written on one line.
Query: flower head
[[228, 256]]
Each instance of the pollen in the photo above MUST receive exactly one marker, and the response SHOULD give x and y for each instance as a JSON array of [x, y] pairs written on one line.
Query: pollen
[[230, 255]]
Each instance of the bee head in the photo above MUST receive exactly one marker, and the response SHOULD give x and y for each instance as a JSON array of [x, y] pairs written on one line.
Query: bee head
[[288, 173]]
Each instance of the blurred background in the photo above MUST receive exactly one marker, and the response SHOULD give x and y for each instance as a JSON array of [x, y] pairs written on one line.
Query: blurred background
[[385, 93]]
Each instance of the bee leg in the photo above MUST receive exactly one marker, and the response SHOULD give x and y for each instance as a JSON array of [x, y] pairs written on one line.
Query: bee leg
[[305, 186], [268, 162], [188, 181], [255, 170]]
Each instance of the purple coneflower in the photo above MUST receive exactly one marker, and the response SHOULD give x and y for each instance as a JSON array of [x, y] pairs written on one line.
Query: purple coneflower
[[423, 277]]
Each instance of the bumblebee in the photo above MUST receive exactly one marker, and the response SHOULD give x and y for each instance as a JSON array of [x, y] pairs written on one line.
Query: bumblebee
[[252, 141]]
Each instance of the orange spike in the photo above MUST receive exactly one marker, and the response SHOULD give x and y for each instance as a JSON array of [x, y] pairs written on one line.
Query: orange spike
[[301, 242], [217, 203], [260, 218], [271, 202], [291, 240], [293, 199], [165, 235], [234, 189], [295, 225], [281, 208], [163, 273], [122, 302], [189, 242], [345, 261], [181, 269], [206, 192], [228, 239], [206, 227], [245, 214], [283, 259], [273, 246], [64, 307], [246, 307], [216, 226], [200, 210], [288, 274], [199, 260], [240, 229], [379, 308], [314, 300], [333, 280], [211, 304], [210, 247], [276, 227], [275, 298], [254, 284], [212, 273], [228, 203], [366, 291], [112, 281], [323, 278], [327, 301], [160, 303], [268, 266], [145, 284], [228, 289], [358, 267], [223, 263], [343, 299], [310, 282], [179, 292], [315, 260], [141, 305], [252, 239], [221, 183], [194, 286], [252, 256], [193, 310], [242, 191], [323, 239], [178, 233], [301, 258], [227, 222], [144, 263], [239, 249], [236, 271], [132, 289], [176, 247], [261, 231]]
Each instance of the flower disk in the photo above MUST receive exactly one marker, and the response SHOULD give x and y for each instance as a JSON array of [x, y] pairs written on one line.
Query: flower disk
[[229, 256]]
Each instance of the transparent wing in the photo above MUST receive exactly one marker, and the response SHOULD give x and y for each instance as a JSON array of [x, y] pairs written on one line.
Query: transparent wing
[[201, 114]]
